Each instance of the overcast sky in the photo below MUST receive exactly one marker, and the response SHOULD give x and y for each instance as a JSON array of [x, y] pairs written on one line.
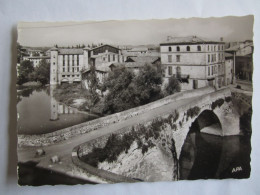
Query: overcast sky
[[133, 32]]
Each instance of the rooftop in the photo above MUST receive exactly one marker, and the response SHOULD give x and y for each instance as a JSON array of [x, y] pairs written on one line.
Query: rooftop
[[142, 59], [188, 39], [71, 51]]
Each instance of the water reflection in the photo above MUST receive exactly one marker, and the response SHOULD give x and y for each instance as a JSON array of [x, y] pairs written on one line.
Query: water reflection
[[208, 156], [39, 112]]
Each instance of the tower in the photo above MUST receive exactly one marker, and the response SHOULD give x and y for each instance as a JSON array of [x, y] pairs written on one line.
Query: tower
[[54, 67], [85, 65]]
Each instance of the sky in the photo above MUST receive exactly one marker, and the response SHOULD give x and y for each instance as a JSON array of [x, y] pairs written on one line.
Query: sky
[[133, 32]]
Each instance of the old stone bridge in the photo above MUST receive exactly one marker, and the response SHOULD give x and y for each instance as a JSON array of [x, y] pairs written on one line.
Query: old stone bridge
[[205, 109]]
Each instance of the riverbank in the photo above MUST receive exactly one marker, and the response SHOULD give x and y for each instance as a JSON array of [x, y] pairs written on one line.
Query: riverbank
[[74, 95]]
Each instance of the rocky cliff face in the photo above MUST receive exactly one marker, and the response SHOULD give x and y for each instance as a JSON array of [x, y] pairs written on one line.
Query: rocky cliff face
[[153, 165]]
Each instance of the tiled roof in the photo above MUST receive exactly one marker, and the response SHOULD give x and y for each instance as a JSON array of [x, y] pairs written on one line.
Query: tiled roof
[[138, 49], [105, 45], [144, 59], [188, 39], [71, 51], [39, 57]]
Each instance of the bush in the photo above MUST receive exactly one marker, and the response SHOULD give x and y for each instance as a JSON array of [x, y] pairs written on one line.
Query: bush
[[193, 112], [217, 103], [144, 149], [228, 99], [173, 86]]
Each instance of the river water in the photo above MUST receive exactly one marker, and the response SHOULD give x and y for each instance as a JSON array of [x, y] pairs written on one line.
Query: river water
[[207, 156], [39, 112]]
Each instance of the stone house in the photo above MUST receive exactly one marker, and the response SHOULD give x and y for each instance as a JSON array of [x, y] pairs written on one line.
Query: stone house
[[195, 61]]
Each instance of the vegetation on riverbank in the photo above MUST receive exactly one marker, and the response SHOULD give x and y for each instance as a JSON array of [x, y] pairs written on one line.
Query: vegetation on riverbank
[[146, 137], [68, 93], [27, 73], [123, 90]]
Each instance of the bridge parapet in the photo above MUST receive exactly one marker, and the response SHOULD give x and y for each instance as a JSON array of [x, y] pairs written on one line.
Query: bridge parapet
[[64, 134]]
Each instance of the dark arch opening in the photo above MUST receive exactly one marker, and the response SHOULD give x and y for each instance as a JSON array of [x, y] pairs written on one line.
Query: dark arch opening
[[200, 154], [207, 118]]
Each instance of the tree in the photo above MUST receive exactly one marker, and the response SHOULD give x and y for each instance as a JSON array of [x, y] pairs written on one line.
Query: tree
[[41, 73], [118, 97], [25, 68], [148, 84], [127, 90], [173, 86], [19, 52]]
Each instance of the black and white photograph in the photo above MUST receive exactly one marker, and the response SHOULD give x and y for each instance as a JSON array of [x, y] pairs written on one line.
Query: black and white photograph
[[125, 101]]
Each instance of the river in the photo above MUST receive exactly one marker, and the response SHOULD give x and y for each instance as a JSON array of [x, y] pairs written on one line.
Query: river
[[39, 112], [207, 156]]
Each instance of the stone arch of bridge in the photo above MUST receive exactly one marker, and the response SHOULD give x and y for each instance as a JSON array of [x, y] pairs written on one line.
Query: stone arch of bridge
[[208, 122]]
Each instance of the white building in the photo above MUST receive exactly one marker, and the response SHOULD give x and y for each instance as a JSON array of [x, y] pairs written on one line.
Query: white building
[[36, 59], [229, 68], [196, 62], [73, 65]]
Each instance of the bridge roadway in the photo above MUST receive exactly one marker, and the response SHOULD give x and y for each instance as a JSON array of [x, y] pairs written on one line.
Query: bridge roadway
[[64, 148]]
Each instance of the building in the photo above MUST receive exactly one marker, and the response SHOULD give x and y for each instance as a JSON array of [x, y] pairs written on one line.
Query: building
[[243, 57], [73, 64], [194, 61], [137, 51], [37, 59], [229, 69]]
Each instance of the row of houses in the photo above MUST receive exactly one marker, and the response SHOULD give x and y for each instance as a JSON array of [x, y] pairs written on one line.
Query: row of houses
[[194, 61]]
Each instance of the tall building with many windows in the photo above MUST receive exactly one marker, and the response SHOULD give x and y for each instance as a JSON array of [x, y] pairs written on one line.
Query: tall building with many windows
[[195, 62], [67, 65]]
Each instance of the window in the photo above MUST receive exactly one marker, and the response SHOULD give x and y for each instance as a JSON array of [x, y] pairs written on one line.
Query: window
[[208, 58], [178, 72], [78, 69], [169, 58], [188, 48], [77, 59], [178, 48], [211, 70], [178, 58], [53, 63], [114, 57], [214, 48], [199, 48], [169, 70], [169, 49], [208, 71], [63, 75], [63, 60], [218, 47], [104, 59], [208, 47], [63, 69], [211, 57], [72, 60], [108, 58]]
